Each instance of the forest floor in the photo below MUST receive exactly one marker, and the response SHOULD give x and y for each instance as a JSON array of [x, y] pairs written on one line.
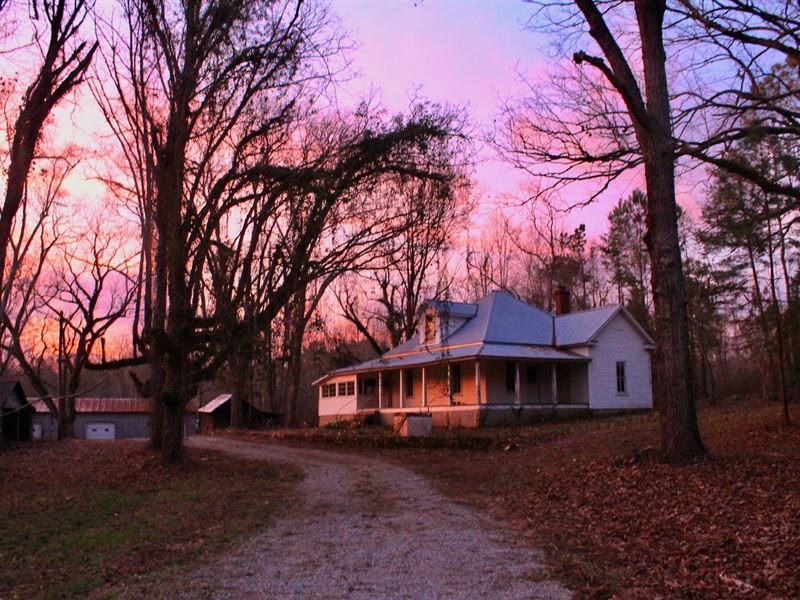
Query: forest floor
[[612, 520], [81, 518]]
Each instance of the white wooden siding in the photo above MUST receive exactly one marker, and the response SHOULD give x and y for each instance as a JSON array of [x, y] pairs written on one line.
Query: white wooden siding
[[338, 405], [619, 342]]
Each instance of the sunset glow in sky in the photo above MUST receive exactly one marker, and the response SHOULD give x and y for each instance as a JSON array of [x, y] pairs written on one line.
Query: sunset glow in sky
[[469, 53], [465, 53]]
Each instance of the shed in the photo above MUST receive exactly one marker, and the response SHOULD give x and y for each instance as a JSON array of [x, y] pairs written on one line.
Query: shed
[[15, 412], [216, 414], [107, 419]]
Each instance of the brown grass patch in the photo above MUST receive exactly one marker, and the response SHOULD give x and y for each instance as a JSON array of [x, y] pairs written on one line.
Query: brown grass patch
[[80, 516]]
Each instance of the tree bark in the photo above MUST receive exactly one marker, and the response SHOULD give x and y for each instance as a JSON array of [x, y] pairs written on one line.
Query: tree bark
[[297, 324], [172, 449], [680, 435], [241, 364], [156, 423], [673, 393]]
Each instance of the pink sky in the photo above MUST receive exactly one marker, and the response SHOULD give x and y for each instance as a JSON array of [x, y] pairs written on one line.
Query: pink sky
[[468, 53]]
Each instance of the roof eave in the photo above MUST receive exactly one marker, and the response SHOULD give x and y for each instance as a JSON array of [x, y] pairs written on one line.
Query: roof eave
[[577, 344]]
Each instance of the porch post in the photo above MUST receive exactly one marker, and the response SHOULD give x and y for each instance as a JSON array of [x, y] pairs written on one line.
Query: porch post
[[478, 381], [380, 389], [554, 386], [517, 399], [358, 390], [449, 385], [424, 388], [402, 387]]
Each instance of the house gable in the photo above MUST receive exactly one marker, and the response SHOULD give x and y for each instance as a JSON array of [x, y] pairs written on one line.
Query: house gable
[[582, 328], [438, 320], [619, 340]]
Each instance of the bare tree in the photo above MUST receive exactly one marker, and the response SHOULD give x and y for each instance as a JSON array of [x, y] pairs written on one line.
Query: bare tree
[[210, 89], [65, 59], [92, 289], [411, 266], [332, 219], [632, 117], [491, 259], [743, 61]]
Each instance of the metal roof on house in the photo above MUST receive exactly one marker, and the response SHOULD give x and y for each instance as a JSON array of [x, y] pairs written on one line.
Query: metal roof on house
[[214, 404], [519, 352], [581, 327], [455, 353], [503, 328], [111, 405], [454, 309], [499, 318]]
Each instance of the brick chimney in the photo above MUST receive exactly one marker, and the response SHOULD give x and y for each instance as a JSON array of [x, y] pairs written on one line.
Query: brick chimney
[[562, 300]]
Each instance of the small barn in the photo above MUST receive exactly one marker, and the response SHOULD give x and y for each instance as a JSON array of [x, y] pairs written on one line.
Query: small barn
[[216, 414], [107, 419], [15, 413]]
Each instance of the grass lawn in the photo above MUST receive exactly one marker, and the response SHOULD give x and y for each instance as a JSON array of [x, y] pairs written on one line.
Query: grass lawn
[[80, 517], [615, 522]]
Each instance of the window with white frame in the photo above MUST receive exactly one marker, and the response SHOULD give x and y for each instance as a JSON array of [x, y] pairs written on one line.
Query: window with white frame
[[620, 377], [351, 388]]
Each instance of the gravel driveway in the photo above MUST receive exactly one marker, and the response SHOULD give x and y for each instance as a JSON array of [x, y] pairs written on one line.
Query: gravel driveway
[[367, 529]]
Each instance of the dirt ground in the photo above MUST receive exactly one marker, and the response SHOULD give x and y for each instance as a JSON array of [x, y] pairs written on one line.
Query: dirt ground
[[362, 529], [616, 522], [546, 511], [612, 520]]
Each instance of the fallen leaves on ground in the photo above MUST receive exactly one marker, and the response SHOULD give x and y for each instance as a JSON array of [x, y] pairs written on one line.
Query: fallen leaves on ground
[[615, 522]]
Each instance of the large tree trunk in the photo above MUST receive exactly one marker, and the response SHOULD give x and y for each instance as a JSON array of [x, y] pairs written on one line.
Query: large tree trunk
[[241, 365], [297, 326], [178, 388], [651, 118], [680, 436], [172, 442], [156, 423]]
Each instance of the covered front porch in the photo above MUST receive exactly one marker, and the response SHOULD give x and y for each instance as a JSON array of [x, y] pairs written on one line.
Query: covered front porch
[[467, 392]]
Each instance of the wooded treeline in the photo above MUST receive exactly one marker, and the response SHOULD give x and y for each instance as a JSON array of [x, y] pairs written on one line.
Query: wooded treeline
[[252, 230]]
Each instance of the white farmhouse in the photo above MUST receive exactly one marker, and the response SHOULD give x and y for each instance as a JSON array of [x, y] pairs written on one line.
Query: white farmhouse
[[500, 361]]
